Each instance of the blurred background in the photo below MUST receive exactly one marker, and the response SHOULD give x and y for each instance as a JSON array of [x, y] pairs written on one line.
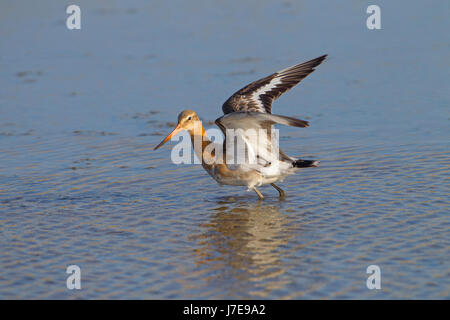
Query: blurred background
[[81, 110]]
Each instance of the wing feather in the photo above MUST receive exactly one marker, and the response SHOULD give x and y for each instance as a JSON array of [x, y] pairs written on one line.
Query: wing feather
[[256, 121], [259, 95]]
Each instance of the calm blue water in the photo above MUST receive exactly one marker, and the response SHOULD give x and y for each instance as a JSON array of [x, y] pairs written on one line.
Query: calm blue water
[[80, 112]]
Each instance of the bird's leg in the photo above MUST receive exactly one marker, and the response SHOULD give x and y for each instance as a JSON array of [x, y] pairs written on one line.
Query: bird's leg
[[258, 193], [282, 194]]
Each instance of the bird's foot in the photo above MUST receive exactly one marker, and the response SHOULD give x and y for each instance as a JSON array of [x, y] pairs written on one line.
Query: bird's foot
[[280, 191], [261, 197]]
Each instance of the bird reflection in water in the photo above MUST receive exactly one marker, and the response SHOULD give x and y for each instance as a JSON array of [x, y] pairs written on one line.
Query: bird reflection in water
[[242, 246]]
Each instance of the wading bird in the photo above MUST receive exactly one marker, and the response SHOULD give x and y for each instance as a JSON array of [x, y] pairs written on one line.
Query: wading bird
[[250, 108]]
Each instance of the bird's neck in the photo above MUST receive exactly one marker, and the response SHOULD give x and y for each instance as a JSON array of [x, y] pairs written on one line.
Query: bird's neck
[[200, 141]]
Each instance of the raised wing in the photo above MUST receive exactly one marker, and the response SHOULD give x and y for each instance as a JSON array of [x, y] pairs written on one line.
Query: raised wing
[[259, 95], [256, 120]]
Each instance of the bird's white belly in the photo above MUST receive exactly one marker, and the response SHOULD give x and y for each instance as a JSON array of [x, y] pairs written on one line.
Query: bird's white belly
[[248, 176]]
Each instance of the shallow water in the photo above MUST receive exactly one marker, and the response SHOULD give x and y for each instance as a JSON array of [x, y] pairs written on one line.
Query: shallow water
[[80, 112]]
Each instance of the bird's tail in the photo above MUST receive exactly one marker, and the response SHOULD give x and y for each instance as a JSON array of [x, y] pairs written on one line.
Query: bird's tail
[[305, 163]]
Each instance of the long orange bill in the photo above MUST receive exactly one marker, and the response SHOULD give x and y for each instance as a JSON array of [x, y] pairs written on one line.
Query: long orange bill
[[174, 132]]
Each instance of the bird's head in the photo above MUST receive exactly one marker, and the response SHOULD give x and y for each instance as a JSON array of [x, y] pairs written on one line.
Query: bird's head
[[187, 120]]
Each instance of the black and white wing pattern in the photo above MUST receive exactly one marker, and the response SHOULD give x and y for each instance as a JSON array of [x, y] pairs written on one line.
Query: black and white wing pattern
[[259, 95]]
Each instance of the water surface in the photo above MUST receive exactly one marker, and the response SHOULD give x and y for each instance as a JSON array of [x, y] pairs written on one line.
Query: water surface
[[80, 112]]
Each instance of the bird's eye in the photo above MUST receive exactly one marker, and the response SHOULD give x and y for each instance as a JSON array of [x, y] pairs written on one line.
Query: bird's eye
[[189, 118]]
